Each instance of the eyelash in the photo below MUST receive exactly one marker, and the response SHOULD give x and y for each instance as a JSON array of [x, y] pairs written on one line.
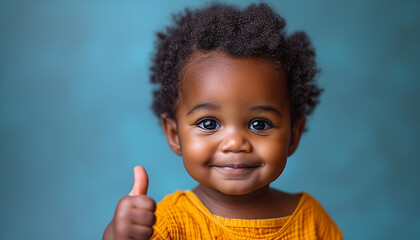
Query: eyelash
[[201, 123], [267, 124]]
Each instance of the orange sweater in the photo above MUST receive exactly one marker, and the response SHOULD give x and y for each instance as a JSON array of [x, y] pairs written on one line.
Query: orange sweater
[[182, 215]]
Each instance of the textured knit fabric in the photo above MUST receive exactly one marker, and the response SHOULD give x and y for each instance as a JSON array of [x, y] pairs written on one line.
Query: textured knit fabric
[[182, 215]]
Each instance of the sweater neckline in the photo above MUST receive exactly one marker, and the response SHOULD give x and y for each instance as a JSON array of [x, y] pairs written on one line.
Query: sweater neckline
[[231, 222]]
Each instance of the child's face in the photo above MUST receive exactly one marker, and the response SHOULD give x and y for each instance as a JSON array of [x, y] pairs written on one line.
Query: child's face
[[233, 125]]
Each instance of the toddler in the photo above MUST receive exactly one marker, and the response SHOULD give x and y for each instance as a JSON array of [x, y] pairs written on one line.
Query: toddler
[[233, 92]]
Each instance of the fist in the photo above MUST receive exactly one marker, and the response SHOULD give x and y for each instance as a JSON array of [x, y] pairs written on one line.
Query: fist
[[134, 216]]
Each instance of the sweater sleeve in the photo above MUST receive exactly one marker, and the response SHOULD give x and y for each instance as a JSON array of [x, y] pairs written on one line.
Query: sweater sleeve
[[161, 227], [326, 227]]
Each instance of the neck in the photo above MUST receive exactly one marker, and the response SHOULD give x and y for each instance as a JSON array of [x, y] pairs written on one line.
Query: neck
[[246, 206]]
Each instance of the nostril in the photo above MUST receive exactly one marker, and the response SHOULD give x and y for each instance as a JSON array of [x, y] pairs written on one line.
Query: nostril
[[235, 143]]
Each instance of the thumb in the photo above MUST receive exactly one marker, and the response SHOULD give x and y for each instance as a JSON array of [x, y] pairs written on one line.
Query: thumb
[[141, 182]]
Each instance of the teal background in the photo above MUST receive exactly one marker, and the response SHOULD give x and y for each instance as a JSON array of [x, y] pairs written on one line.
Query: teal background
[[75, 116]]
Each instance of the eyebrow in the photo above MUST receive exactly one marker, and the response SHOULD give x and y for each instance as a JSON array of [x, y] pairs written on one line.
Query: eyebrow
[[209, 106], [264, 108]]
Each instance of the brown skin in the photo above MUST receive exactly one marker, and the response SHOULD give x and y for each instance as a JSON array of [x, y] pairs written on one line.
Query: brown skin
[[233, 130], [134, 215]]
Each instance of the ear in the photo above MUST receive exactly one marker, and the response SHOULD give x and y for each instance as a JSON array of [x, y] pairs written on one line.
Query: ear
[[297, 131], [171, 132]]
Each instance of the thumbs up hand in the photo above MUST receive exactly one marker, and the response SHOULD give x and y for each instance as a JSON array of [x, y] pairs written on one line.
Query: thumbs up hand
[[134, 216], [141, 182]]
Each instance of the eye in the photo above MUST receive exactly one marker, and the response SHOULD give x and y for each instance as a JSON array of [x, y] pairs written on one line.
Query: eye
[[260, 125], [208, 124]]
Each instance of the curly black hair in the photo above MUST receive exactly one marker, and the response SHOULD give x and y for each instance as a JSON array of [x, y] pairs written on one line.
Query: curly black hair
[[256, 31]]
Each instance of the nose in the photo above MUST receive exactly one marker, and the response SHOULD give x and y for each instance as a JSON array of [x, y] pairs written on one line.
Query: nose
[[235, 142]]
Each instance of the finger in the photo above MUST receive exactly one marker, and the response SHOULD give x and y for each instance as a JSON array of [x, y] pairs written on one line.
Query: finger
[[142, 217], [141, 182], [128, 230], [143, 202], [140, 232]]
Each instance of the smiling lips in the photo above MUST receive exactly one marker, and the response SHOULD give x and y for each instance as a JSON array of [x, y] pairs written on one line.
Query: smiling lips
[[235, 169]]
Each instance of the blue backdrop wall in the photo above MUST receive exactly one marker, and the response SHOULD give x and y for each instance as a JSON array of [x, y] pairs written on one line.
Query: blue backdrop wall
[[75, 116]]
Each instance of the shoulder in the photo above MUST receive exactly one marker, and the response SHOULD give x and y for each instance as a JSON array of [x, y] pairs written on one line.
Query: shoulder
[[179, 199], [309, 204], [310, 209], [173, 204], [308, 201], [172, 198], [177, 215], [168, 213], [178, 205]]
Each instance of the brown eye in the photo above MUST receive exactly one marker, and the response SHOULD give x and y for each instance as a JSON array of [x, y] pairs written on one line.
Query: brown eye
[[208, 124], [260, 125]]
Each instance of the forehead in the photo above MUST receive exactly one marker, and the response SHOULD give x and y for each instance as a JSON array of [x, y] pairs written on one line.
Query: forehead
[[219, 76]]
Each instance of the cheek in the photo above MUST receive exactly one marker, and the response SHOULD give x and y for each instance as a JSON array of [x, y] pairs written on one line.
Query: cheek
[[197, 149], [196, 154], [196, 145], [273, 152], [275, 159]]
